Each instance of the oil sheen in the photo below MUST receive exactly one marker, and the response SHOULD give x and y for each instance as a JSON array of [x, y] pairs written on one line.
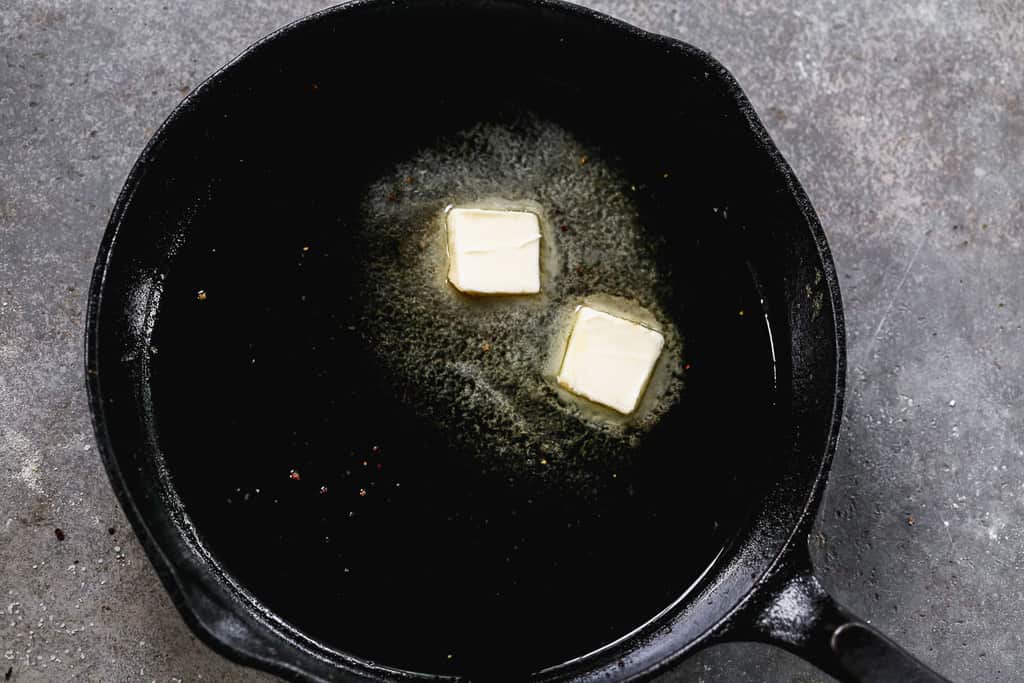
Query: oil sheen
[[389, 465]]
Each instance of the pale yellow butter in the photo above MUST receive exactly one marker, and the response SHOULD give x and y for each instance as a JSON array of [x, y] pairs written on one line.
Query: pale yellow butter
[[608, 359], [493, 252]]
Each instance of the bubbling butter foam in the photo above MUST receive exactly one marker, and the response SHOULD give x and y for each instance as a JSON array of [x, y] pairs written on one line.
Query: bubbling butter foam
[[483, 368]]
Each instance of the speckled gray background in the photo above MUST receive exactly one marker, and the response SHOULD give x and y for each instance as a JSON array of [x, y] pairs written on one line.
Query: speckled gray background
[[904, 121]]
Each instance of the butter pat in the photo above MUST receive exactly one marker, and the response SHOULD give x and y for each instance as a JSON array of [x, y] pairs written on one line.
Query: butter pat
[[493, 252], [608, 359]]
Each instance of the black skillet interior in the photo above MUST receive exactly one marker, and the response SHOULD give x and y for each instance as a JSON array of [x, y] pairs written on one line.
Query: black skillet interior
[[286, 470]]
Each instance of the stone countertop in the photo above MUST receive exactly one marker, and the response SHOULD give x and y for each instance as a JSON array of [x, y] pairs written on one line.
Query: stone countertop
[[905, 123]]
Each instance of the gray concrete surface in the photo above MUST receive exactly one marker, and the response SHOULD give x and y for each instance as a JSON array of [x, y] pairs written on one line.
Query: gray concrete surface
[[905, 122]]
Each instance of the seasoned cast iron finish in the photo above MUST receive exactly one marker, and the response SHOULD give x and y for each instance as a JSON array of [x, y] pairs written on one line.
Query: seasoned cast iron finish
[[762, 588], [796, 613]]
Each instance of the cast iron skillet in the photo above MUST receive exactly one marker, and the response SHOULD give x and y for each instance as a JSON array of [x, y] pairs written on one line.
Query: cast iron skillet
[[315, 110]]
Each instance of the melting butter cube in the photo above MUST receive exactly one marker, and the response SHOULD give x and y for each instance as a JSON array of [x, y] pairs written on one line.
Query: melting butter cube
[[493, 252], [608, 359]]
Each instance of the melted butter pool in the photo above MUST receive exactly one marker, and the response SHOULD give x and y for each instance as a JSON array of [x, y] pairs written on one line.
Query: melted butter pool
[[490, 361]]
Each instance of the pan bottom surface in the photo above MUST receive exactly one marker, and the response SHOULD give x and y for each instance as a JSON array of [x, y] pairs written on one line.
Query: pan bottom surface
[[382, 462]]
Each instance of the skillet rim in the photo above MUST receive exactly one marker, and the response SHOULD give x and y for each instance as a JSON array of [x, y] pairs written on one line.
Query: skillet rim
[[199, 610]]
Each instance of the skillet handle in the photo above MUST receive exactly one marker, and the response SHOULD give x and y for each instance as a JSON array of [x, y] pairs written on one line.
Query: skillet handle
[[798, 615]]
